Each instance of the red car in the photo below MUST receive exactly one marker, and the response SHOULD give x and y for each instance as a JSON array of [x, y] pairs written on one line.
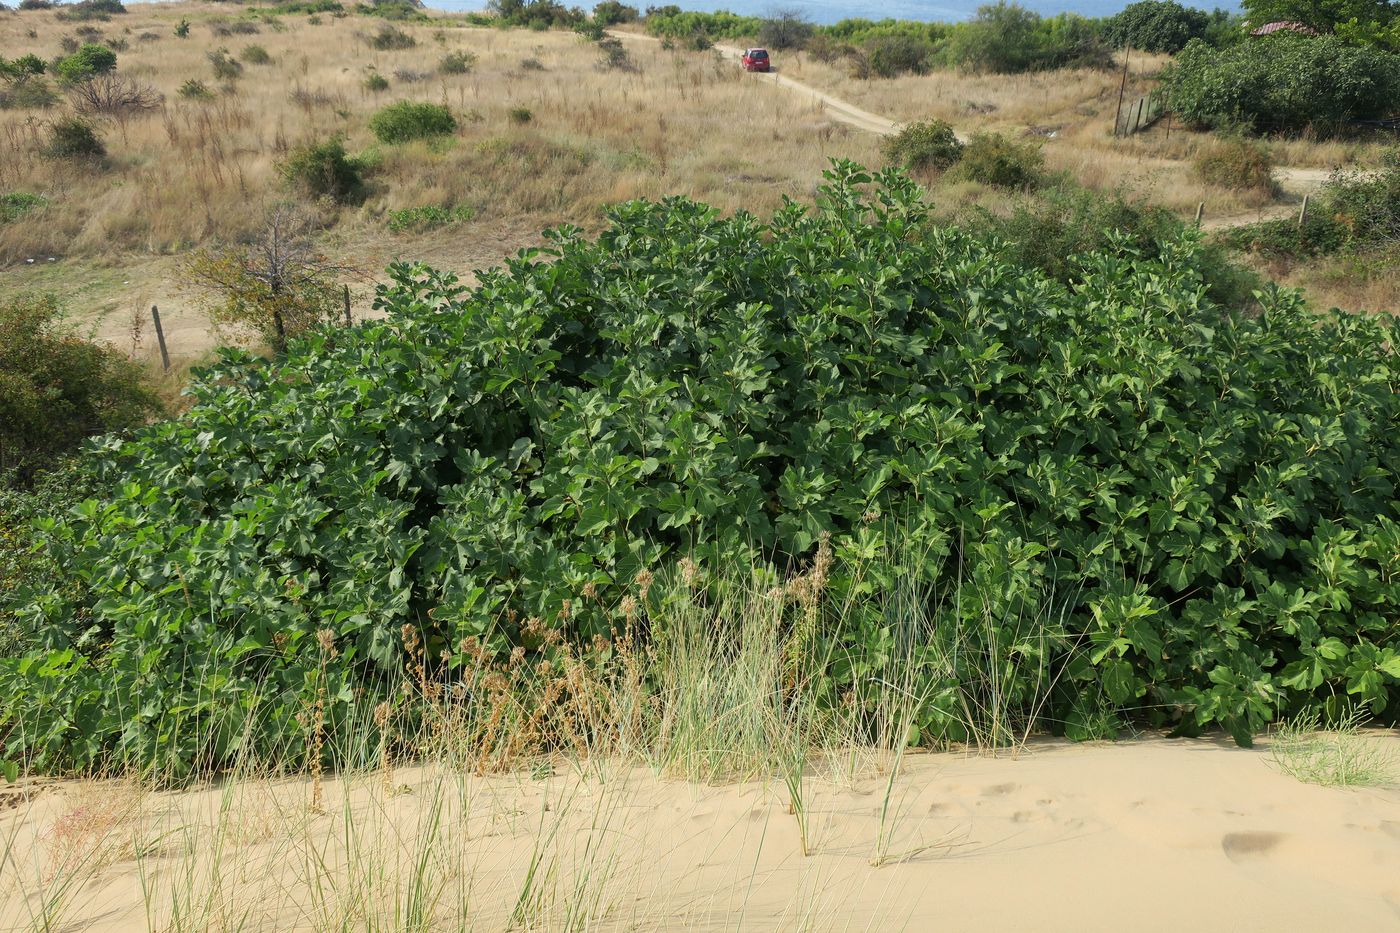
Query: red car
[[757, 60]]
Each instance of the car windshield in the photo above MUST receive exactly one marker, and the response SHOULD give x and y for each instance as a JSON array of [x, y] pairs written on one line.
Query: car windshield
[[757, 53]]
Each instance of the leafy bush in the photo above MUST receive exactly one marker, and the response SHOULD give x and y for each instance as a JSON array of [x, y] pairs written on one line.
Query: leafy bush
[[57, 389], [73, 138], [521, 115], [428, 217], [613, 13], [36, 4], [391, 38], [676, 23], [15, 204], [612, 56], [932, 146], [182, 29], [1239, 164], [1177, 514], [87, 61], [27, 93], [91, 9], [325, 170], [22, 68], [376, 82], [255, 55], [1155, 26], [892, 56], [457, 63], [409, 120], [994, 159], [536, 14], [591, 29], [194, 89], [1282, 83], [226, 67]]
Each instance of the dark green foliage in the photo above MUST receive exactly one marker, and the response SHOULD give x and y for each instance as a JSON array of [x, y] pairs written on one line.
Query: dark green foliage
[[394, 10], [391, 38], [409, 120], [536, 14], [36, 4], [612, 13], [24, 564], [57, 389], [521, 115], [994, 159], [182, 29], [613, 56], [1155, 26], [1283, 83], [428, 217], [325, 170], [931, 146], [376, 82], [591, 29], [87, 61], [1183, 515], [72, 138], [25, 66], [1322, 15]]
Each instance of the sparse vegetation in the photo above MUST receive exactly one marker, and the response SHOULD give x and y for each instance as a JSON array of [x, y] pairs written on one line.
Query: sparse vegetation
[[392, 38], [428, 217], [1333, 752], [1238, 163], [457, 63]]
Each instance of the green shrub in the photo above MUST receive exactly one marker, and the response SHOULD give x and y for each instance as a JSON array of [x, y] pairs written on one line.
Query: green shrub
[[324, 170], [36, 5], [87, 61], [57, 389], [226, 67], [1178, 515], [591, 29], [194, 89], [255, 55], [536, 14], [15, 204], [1239, 164], [73, 138], [398, 10], [612, 56], [1282, 83], [1155, 26], [29, 93], [391, 38], [1006, 38], [91, 10], [457, 63], [182, 29], [891, 56], [22, 68], [521, 115], [612, 13], [409, 120], [429, 217], [931, 146], [994, 159], [376, 82]]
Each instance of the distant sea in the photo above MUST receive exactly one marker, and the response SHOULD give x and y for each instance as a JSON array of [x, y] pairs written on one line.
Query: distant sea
[[829, 11]]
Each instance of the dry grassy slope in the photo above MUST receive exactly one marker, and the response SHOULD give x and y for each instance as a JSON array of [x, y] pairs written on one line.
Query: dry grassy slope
[[682, 123]]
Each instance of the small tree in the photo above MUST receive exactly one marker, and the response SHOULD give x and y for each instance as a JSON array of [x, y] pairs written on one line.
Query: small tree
[[785, 29], [924, 146], [279, 284], [57, 389], [325, 170], [87, 61]]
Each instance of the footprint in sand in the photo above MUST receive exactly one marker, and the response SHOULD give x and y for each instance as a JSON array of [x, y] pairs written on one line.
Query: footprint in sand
[[1239, 847], [999, 790], [1391, 828]]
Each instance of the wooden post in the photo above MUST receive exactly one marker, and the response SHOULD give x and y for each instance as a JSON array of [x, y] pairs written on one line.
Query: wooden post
[[160, 338], [1122, 89], [1303, 211], [348, 319], [1200, 210]]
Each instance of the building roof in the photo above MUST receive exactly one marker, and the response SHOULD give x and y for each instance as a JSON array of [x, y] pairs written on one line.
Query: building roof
[[1284, 26]]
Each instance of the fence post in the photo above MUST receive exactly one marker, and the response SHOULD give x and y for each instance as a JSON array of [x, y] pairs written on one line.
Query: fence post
[[348, 319], [160, 338], [1200, 209], [1303, 211], [1122, 89]]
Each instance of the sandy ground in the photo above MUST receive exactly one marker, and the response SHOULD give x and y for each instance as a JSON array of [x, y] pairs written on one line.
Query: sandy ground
[[1144, 835]]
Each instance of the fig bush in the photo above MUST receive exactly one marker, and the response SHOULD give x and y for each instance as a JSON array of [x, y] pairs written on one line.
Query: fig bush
[[1196, 505]]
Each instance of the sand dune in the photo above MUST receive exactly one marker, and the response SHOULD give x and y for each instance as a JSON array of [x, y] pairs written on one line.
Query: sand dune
[[1143, 835]]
